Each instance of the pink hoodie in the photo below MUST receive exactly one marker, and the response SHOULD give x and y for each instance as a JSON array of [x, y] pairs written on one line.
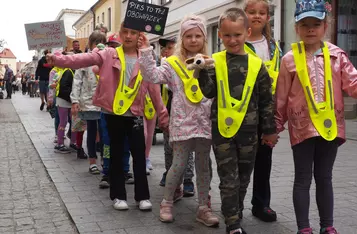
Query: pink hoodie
[[291, 103], [109, 73]]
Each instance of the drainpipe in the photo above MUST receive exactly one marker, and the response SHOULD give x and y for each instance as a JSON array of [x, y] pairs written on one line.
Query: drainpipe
[[91, 9]]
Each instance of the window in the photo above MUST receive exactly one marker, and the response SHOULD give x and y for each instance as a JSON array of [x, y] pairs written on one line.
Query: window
[[109, 19], [103, 18], [216, 41], [163, 2]]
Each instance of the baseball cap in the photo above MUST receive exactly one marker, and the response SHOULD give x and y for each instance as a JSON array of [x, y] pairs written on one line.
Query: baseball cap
[[114, 39], [163, 41], [310, 8]]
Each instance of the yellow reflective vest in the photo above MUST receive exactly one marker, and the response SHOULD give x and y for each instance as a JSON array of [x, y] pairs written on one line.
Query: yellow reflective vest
[[271, 65], [60, 72], [149, 109], [124, 95], [322, 114], [191, 86], [231, 112]]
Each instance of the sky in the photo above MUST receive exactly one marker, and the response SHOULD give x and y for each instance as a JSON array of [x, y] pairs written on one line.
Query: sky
[[16, 13]]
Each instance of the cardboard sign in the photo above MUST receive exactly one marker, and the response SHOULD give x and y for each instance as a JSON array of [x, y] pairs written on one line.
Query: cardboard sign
[[45, 35], [146, 17]]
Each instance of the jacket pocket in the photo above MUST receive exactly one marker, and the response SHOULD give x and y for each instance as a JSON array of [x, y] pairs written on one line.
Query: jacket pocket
[[300, 119]]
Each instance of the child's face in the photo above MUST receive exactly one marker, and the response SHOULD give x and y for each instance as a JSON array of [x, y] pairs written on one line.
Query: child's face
[[311, 30], [193, 40], [258, 16], [233, 35], [130, 37]]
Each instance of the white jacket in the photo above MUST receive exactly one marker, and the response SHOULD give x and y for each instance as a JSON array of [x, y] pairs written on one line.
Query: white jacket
[[83, 89]]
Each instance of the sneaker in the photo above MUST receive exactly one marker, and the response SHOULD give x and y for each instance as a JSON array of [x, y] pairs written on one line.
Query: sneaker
[[188, 188], [305, 231], [129, 178], [148, 164], [62, 149], [42, 106], [163, 179], [55, 141], [328, 230], [204, 215], [166, 212], [81, 154], [266, 214], [178, 195], [73, 147], [93, 169], [144, 205], [120, 204], [235, 229], [104, 182], [147, 171]]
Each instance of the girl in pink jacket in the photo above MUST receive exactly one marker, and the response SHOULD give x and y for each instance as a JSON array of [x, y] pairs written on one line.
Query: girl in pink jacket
[[309, 96], [190, 126], [120, 66]]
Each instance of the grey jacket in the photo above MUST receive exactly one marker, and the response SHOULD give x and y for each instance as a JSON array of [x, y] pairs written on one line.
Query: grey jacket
[[83, 89]]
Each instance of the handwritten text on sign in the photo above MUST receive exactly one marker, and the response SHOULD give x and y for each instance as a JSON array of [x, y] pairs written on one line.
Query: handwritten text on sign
[[146, 17], [45, 35]]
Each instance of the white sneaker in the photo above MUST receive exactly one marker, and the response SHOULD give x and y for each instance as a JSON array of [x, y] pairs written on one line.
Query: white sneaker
[[148, 164], [120, 204], [144, 205]]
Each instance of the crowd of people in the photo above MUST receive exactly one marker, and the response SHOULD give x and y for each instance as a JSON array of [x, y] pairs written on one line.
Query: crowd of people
[[235, 101]]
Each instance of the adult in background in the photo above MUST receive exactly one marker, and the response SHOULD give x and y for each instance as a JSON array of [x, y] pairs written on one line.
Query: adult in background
[[76, 47], [42, 75], [8, 77]]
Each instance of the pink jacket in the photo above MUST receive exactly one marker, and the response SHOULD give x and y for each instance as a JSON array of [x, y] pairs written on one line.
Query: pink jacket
[[109, 73], [187, 120], [291, 103]]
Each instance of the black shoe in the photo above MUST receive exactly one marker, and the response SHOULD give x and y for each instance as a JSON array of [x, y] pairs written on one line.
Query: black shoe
[[73, 147], [129, 178], [42, 105], [81, 154], [163, 179], [188, 188], [240, 215], [266, 214], [235, 229], [104, 182]]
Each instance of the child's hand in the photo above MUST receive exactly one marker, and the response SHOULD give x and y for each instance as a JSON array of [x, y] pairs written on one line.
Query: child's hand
[[143, 41], [270, 140]]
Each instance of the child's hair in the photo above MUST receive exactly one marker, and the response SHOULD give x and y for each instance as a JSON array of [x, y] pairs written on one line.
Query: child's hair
[[96, 37], [233, 14], [267, 28], [180, 50]]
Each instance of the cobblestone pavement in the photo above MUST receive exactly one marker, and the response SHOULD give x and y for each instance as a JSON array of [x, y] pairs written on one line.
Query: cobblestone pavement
[[29, 201], [91, 209]]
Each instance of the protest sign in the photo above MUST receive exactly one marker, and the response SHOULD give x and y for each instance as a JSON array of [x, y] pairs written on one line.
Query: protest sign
[[146, 17], [45, 35]]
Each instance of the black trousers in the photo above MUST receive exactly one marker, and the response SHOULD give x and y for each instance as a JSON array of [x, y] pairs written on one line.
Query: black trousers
[[120, 127], [261, 179], [8, 89]]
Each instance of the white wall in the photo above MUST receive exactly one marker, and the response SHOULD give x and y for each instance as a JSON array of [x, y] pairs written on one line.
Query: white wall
[[69, 19]]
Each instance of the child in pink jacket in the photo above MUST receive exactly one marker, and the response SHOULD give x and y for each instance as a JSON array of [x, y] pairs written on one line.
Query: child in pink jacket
[[309, 96], [128, 124]]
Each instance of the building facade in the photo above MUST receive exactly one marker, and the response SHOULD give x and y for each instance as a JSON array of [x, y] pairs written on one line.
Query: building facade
[[7, 57], [69, 17], [84, 25]]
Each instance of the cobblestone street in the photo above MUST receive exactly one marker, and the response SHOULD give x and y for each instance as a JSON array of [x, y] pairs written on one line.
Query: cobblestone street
[[45, 192]]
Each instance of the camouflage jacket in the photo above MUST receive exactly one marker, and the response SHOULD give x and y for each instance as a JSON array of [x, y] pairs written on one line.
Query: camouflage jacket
[[260, 111]]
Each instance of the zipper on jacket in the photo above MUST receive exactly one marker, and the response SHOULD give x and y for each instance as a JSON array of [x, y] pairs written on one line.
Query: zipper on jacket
[[317, 80]]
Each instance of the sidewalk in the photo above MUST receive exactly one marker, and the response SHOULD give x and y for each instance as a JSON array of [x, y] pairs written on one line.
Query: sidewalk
[[29, 200], [91, 208]]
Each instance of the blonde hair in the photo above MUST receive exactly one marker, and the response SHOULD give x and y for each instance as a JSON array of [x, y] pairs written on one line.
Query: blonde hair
[[180, 50], [233, 14], [267, 28]]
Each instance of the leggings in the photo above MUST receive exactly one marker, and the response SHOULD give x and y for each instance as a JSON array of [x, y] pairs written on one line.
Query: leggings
[[181, 150], [64, 114], [314, 156], [92, 128]]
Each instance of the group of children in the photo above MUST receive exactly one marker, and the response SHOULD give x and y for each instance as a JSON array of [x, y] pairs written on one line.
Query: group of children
[[239, 107]]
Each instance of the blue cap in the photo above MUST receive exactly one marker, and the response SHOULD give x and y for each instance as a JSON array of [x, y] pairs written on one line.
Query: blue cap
[[310, 8]]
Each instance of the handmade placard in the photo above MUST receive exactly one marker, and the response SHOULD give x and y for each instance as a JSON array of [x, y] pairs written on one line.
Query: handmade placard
[[146, 17]]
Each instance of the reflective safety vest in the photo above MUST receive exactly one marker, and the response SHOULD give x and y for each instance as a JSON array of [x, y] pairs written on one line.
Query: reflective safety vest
[[322, 114], [231, 111], [271, 65], [124, 95], [149, 109], [191, 86], [165, 94], [60, 72]]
